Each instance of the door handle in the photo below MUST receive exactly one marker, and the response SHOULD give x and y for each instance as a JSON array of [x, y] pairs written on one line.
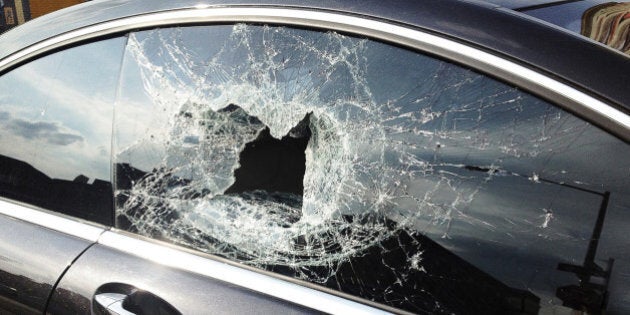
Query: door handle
[[111, 303], [123, 299]]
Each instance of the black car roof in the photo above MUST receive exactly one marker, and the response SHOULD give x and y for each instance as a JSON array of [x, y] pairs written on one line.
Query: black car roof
[[568, 57]]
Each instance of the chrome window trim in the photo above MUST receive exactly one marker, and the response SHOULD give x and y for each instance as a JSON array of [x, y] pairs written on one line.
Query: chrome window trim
[[564, 95], [51, 221], [256, 281]]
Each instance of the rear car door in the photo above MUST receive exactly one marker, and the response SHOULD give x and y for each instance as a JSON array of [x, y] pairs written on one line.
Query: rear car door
[[33, 258]]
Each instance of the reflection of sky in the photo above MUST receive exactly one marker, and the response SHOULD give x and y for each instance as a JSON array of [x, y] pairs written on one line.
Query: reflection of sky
[[56, 111]]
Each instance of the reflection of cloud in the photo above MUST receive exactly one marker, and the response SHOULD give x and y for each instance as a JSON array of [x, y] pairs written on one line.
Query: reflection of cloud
[[49, 131], [78, 106]]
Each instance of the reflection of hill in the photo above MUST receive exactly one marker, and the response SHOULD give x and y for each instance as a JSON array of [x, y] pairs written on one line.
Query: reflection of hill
[[608, 23], [22, 182]]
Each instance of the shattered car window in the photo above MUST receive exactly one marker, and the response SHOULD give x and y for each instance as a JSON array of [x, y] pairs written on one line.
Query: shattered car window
[[369, 169]]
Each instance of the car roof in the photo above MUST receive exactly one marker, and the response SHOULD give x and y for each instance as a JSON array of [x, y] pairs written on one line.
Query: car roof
[[570, 58]]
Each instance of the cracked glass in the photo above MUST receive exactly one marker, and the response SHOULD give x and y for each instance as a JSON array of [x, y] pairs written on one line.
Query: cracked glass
[[370, 169]]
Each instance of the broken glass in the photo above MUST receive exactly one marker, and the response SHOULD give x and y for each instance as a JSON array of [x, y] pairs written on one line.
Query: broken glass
[[364, 167]]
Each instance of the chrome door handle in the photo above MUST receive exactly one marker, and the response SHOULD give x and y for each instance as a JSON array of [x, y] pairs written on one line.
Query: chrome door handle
[[112, 303], [125, 299]]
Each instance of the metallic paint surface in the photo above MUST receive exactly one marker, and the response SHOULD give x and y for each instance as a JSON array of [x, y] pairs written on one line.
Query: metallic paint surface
[[32, 258], [253, 280], [55, 222], [187, 292]]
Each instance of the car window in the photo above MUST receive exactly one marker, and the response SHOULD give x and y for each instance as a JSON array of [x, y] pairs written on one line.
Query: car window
[[367, 168], [55, 131]]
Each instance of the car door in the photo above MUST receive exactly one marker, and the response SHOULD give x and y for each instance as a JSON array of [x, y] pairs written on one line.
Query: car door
[[34, 258], [56, 115], [349, 164]]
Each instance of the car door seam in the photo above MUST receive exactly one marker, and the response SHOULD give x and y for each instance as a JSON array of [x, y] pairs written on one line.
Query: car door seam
[[61, 276]]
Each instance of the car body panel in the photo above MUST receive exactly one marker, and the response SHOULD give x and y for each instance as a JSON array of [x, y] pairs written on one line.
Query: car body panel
[[187, 292], [32, 259]]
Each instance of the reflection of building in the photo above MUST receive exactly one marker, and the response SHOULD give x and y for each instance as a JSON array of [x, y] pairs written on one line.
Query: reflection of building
[[16, 12], [608, 23], [21, 181]]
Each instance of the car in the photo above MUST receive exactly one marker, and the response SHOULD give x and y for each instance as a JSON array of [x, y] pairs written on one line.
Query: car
[[295, 156]]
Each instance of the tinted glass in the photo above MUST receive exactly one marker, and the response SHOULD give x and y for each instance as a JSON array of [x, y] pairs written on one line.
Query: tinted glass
[[367, 168], [55, 132]]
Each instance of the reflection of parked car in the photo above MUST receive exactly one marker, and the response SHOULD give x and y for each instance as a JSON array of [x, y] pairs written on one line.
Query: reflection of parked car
[[194, 157]]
